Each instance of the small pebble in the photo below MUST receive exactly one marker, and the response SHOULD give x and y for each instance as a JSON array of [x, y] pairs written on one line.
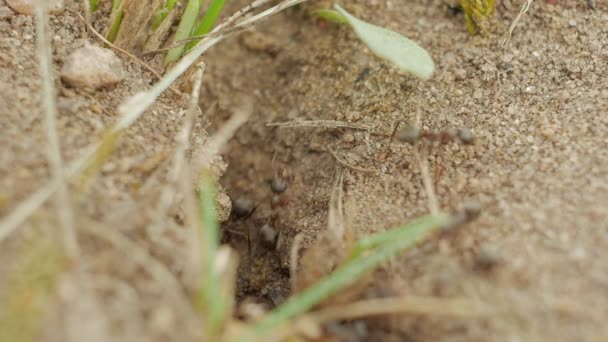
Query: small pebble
[[409, 134], [27, 7], [478, 94], [92, 67], [460, 74], [548, 133], [348, 138]]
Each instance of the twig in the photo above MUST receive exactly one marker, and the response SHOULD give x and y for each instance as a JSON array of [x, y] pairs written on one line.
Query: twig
[[183, 142], [63, 205], [202, 159], [335, 215], [454, 307], [219, 30], [87, 16], [319, 124], [273, 10], [423, 162], [390, 140], [294, 256], [524, 8], [342, 162], [195, 262], [125, 52]]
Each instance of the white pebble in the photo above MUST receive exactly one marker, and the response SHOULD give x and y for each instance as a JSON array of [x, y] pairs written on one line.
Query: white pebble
[[27, 7], [478, 94], [92, 67]]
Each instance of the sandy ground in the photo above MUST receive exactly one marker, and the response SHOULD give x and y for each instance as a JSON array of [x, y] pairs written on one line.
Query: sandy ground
[[539, 168]]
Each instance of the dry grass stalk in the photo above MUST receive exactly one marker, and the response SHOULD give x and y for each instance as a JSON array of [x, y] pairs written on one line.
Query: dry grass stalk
[[219, 30], [319, 124], [344, 163], [63, 205], [454, 307], [179, 155], [329, 251], [524, 8], [201, 159], [421, 157], [335, 215], [135, 24], [294, 256]]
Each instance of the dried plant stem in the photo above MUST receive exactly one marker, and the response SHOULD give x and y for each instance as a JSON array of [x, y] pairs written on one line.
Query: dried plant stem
[[87, 17], [271, 11], [202, 159], [294, 256], [524, 8], [390, 140], [319, 124], [455, 307], [195, 262], [63, 205], [421, 156], [343, 163], [335, 216], [219, 30], [183, 142]]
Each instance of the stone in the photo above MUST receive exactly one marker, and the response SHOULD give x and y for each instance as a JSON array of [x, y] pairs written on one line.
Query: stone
[[92, 67], [28, 7]]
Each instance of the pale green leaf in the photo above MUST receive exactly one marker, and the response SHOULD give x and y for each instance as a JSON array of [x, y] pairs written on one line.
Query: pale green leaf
[[395, 48]]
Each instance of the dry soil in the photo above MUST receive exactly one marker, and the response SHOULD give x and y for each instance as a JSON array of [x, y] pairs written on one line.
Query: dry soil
[[539, 168]]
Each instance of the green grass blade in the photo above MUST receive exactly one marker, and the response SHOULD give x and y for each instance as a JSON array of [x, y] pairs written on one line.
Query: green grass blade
[[209, 218], [115, 27], [160, 15], [171, 4], [401, 239], [331, 16], [210, 299], [214, 10], [377, 240], [117, 14], [94, 5], [184, 29], [115, 4]]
